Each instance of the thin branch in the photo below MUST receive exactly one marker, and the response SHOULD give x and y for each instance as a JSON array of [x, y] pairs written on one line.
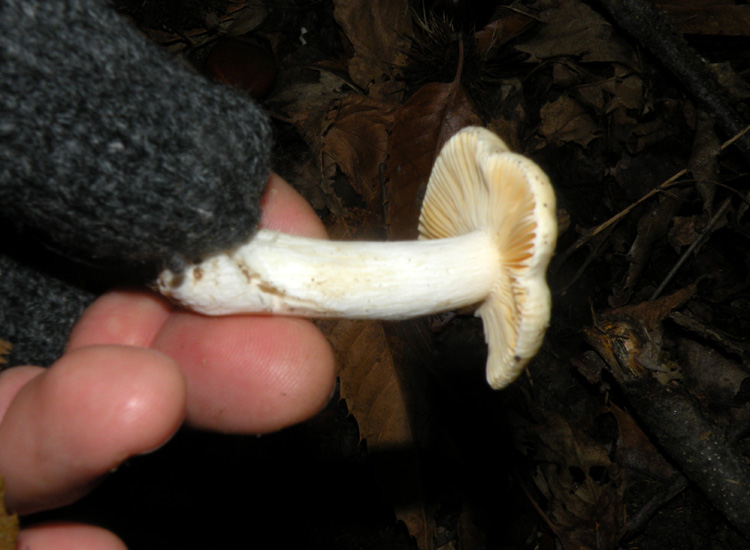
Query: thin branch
[[590, 234], [653, 29]]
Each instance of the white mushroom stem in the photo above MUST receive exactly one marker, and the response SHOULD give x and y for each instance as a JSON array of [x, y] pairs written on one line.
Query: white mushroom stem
[[285, 274], [488, 226]]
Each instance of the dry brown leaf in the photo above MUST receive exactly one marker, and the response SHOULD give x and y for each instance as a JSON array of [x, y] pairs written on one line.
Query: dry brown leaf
[[625, 90], [510, 122], [594, 96], [635, 451], [8, 523], [304, 96], [704, 160], [423, 124], [357, 142], [240, 17], [714, 379], [379, 398], [709, 18], [5, 348], [373, 392], [655, 311], [378, 34], [564, 120], [652, 226], [685, 230], [582, 485], [503, 29], [574, 29]]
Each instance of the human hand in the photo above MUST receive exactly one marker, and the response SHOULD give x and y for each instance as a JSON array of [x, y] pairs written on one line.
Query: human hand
[[134, 370]]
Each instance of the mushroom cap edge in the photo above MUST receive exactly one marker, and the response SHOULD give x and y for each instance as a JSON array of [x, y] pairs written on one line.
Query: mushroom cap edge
[[477, 183]]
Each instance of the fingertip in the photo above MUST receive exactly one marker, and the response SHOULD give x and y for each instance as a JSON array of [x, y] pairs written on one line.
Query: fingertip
[[120, 317], [81, 418], [285, 210], [67, 536], [133, 390]]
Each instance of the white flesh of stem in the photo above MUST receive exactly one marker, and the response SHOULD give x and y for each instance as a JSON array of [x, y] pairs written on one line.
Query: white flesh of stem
[[289, 275]]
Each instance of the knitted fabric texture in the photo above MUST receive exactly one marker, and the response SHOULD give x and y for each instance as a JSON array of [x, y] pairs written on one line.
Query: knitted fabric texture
[[37, 312], [113, 152]]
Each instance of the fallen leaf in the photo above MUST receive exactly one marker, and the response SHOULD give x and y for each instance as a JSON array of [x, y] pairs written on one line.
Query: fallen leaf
[[378, 33], [653, 312], [503, 29], [581, 484], [564, 121], [715, 380], [8, 523], [304, 96], [625, 90], [709, 18], [509, 123], [652, 226], [635, 451], [574, 29], [375, 383], [357, 141], [422, 125], [372, 388], [239, 18], [704, 160], [685, 230], [5, 348]]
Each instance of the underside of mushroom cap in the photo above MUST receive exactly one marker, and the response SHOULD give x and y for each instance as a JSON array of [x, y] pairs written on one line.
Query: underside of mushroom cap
[[477, 184]]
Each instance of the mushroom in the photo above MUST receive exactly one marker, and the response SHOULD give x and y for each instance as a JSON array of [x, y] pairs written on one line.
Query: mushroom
[[487, 232]]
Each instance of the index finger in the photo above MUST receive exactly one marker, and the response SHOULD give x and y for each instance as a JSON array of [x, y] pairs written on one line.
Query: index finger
[[247, 374]]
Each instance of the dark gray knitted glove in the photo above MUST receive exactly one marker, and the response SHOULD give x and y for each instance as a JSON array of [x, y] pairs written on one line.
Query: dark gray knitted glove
[[110, 151]]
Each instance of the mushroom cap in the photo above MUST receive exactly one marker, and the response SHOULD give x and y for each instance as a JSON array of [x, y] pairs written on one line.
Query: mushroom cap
[[477, 183]]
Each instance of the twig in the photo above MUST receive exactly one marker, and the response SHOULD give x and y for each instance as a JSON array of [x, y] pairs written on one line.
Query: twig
[[586, 263], [652, 28], [673, 417], [638, 522], [538, 508], [683, 258], [583, 239]]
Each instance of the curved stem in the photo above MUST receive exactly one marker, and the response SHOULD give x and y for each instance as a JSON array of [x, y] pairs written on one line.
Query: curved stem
[[289, 275]]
